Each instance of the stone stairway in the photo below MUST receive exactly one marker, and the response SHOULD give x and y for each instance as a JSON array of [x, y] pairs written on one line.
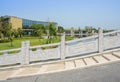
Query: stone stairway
[[62, 65]]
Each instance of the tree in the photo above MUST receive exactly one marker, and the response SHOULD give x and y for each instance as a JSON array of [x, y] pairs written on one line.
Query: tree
[[1, 27], [38, 30], [20, 32], [39, 33], [1, 21], [88, 29], [60, 29], [51, 31], [15, 33], [0, 34], [6, 29], [9, 33]]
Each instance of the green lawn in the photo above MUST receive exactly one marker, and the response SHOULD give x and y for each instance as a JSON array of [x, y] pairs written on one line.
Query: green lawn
[[33, 42]]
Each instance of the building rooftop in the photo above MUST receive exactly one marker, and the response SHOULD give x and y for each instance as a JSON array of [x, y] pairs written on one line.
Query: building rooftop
[[7, 16]]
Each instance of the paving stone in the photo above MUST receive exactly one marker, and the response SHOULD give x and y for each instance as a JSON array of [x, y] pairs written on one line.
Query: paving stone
[[100, 59], [28, 71], [89, 61], [79, 63], [69, 65], [111, 57], [4, 74], [55, 66]]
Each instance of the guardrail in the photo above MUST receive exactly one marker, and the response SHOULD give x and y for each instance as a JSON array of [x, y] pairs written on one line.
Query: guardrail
[[27, 54]]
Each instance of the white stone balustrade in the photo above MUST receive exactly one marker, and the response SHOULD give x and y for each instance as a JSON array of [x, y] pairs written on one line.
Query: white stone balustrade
[[28, 54]]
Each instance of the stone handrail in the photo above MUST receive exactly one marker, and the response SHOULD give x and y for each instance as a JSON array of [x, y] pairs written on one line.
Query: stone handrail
[[46, 45], [82, 39], [92, 37], [10, 50], [93, 43], [117, 31]]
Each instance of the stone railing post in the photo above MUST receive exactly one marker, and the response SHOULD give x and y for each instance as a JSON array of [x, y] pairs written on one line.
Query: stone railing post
[[62, 47], [81, 33], [25, 53], [72, 32], [93, 32], [100, 40]]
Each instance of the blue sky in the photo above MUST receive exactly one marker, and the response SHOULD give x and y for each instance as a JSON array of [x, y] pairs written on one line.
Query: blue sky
[[67, 13]]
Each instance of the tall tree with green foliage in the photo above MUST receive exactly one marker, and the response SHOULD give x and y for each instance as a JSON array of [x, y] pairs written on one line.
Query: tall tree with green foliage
[[6, 29], [20, 32], [88, 29], [38, 30], [60, 29], [15, 33], [39, 33], [1, 27], [51, 31], [9, 33]]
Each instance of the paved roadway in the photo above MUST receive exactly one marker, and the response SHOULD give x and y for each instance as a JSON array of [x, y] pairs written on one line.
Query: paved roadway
[[102, 73]]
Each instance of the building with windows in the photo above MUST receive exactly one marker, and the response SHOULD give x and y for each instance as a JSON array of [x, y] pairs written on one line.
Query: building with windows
[[17, 22]]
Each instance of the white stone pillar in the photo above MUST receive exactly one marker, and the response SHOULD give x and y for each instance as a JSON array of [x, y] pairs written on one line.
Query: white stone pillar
[[118, 33], [25, 53], [27, 60], [100, 40], [22, 58], [72, 32], [93, 32], [62, 47], [81, 33]]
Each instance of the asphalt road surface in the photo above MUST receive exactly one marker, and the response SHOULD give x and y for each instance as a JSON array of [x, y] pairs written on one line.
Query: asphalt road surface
[[102, 73]]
